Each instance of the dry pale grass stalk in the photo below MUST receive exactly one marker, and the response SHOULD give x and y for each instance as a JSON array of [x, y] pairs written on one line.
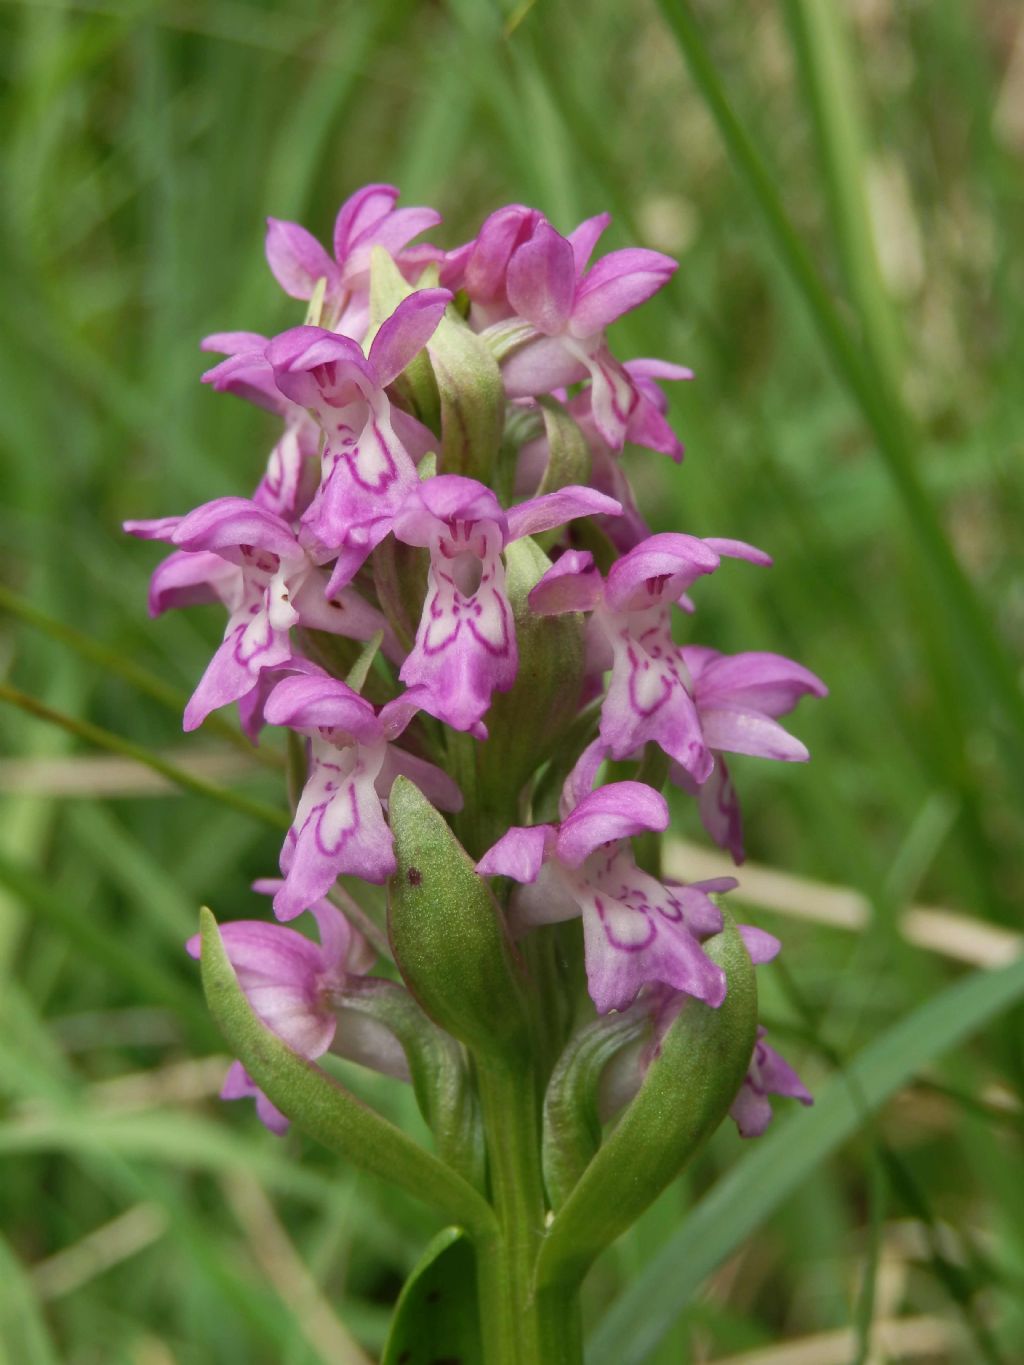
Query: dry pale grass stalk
[[901, 1339], [106, 1246], [287, 1272], [841, 907]]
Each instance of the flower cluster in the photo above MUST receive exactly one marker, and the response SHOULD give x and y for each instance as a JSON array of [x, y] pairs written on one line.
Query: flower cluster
[[368, 525]]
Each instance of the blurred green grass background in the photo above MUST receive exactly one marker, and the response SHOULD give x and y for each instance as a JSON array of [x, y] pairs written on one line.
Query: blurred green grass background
[[861, 421]]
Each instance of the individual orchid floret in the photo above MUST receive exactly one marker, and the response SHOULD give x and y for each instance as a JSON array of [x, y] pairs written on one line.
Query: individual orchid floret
[[737, 698], [293, 985], [248, 557], [567, 308], [480, 267], [367, 219], [636, 931], [339, 825], [367, 468], [768, 1074], [465, 648], [647, 425], [292, 472], [650, 694]]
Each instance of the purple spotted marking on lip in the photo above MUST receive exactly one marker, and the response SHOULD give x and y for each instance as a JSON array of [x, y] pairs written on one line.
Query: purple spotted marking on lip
[[465, 648]]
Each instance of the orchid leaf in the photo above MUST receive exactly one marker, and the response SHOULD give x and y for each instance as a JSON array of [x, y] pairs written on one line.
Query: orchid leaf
[[322, 1107], [770, 1172], [435, 1318], [685, 1095]]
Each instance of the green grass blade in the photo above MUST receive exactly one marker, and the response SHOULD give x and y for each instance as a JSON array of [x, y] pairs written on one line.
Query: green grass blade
[[106, 739], [769, 1173], [23, 1335], [825, 62], [150, 684], [888, 421]]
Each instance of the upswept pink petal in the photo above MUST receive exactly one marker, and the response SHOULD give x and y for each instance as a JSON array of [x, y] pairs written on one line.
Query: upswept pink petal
[[738, 549], [296, 258], [776, 1075], [580, 782], [249, 375], [659, 569], [616, 811], [398, 713], [650, 368], [768, 1074], [233, 343], [313, 703], [649, 428], [155, 528], [404, 334], [616, 283], [519, 853], [584, 238], [453, 267], [535, 515], [756, 679], [762, 946], [541, 280], [228, 524], [186, 580], [312, 365], [460, 499], [736, 730], [361, 213], [499, 235], [573, 583], [395, 231], [341, 945]]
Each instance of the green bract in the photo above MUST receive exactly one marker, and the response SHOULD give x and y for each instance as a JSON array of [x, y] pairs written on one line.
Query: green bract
[[448, 934]]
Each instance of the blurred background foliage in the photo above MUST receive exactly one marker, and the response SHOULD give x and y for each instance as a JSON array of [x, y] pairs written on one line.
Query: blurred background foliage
[[857, 412]]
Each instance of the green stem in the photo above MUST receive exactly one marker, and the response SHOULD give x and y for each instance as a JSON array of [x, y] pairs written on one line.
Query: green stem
[[519, 1326]]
